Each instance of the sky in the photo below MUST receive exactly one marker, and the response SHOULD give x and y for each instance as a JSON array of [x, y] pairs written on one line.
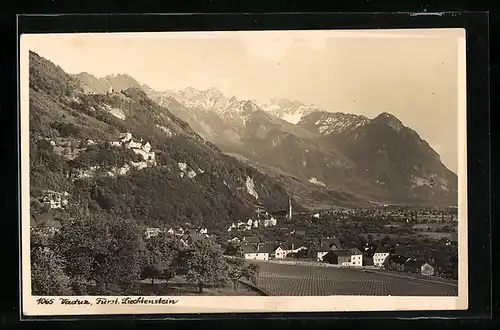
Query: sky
[[411, 74]]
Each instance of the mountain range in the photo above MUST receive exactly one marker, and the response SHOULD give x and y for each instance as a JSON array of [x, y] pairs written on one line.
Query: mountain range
[[321, 158]]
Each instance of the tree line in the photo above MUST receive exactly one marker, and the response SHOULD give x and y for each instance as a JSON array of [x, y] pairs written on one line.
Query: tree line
[[97, 254]]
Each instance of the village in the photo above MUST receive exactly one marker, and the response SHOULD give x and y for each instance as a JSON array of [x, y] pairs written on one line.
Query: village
[[274, 244]]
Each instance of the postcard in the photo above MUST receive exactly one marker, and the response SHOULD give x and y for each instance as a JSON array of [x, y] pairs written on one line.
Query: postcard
[[243, 171]]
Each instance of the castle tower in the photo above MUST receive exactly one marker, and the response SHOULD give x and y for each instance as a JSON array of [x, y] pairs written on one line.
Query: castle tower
[[110, 90]]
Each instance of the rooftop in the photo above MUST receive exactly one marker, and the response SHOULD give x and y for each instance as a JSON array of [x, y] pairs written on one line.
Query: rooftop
[[342, 253], [381, 249], [248, 248], [266, 248]]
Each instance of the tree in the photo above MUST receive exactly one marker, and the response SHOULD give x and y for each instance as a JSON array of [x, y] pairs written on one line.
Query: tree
[[47, 273], [206, 266], [163, 259], [239, 268], [102, 250]]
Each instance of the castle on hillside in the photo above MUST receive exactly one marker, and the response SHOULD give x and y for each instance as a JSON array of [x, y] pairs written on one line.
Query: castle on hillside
[[140, 148]]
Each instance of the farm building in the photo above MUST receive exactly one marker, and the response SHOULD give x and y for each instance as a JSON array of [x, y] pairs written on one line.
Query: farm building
[[268, 248], [321, 252], [338, 257], [251, 251], [380, 255], [418, 267], [312, 251], [347, 257]]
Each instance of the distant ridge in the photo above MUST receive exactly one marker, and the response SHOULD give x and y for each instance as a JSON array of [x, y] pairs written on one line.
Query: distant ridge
[[373, 159]]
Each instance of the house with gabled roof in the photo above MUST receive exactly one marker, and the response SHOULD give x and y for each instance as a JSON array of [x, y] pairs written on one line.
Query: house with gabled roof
[[338, 257], [252, 251], [381, 253], [321, 252], [317, 251], [356, 257], [267, 247], [280, 252], [418, 266]]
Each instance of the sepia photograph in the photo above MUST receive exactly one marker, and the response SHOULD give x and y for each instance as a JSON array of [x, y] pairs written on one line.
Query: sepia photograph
[[230, 171]]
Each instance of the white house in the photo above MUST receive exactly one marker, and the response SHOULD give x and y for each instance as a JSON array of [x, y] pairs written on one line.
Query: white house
[[356, 258], [251, 251], [150, 232], [280, 253], [379, 256]]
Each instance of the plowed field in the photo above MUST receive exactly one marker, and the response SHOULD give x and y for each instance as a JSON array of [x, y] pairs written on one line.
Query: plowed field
[[298, 280]]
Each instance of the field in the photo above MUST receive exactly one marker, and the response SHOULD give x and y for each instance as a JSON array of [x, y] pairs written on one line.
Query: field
[[295, 280]]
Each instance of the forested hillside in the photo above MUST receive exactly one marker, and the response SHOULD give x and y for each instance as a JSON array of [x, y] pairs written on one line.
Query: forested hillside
[[189, 180]]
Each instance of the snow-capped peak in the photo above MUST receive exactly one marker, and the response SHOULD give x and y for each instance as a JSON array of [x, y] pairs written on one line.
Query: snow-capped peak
[[214, 100], [206, 100], [291, 111]]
